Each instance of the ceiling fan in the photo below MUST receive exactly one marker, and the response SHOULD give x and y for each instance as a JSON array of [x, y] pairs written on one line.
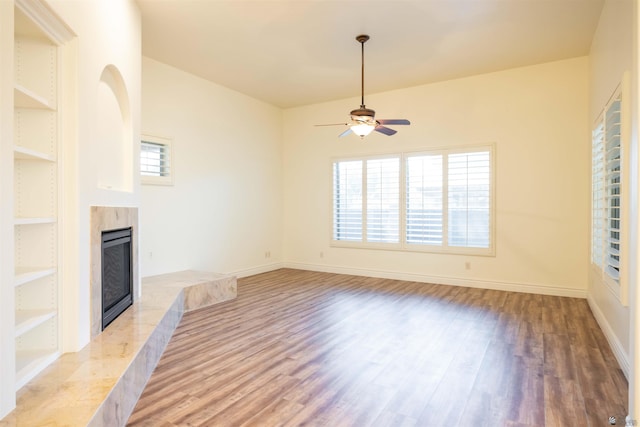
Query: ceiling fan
[[363, 120]]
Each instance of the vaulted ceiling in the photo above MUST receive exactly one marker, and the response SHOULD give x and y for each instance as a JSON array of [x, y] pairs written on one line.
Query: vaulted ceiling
[[297, 52]]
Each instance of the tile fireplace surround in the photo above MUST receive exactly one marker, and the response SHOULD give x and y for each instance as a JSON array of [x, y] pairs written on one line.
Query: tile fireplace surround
[[105, 218], [100, 384]]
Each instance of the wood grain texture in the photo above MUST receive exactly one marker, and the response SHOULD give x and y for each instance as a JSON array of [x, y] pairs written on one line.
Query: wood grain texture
[[317, 349]]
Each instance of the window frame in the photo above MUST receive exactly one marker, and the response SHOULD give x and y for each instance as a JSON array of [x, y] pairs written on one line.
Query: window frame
[[403, 245], [619, 287], [167, 144]]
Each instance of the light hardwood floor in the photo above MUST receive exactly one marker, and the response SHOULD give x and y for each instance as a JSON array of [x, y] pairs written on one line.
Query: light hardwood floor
[[317, 349]]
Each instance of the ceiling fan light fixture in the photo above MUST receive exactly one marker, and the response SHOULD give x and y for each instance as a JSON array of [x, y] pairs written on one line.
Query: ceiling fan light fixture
[[363, 120], [362, 129]]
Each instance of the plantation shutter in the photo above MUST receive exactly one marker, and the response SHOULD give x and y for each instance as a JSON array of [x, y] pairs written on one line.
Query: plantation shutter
[[347, 200], [597, 192], [424, 188], [383, 200], [154, 159], [432, 201], [469, 192], [612, 189]]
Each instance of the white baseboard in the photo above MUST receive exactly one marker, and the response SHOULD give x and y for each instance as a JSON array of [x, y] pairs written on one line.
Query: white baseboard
[[441, 280], [257, 270], [614, 342]]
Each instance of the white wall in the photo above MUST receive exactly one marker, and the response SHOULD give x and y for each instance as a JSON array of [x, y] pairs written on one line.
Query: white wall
[[537, 117], [224, 210], [7, 294], [611, 55], [108, 35], [634, 226]]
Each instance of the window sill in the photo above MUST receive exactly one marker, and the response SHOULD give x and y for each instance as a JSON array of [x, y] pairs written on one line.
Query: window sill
[[156, 180], [488, 252]]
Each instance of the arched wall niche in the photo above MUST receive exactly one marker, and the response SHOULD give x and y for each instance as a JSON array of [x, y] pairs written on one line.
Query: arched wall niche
[[114, 133]]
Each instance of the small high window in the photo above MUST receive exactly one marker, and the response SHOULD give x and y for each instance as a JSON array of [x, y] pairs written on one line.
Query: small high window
[[156, 160]]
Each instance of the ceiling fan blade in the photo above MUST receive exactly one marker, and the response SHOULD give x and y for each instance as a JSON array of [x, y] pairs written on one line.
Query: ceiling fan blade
[[385, 130], [394, 122], [334, 124], [345, 133]]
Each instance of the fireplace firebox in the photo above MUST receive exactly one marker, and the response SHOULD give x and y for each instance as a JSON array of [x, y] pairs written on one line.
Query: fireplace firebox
[[117, 281]]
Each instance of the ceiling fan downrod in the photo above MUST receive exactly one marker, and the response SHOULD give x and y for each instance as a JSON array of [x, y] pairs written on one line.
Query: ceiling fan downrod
[[362, 39]]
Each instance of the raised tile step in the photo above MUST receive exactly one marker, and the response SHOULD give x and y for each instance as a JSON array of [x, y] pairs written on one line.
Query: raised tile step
[[201, 289], [100, 385]]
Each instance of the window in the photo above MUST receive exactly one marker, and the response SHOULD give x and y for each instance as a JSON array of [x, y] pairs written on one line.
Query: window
[[381, 178], [606, 186], [597, 193], [437, 201], [156, 160], [465, 194], [383, 200], [424, 204], [347, 201], [469, 192]]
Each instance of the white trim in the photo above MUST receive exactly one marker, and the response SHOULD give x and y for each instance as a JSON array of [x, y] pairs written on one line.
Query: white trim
[[614, 342], [50, 23], [257, 270], [626, 212], [413, 247], [529, 288]]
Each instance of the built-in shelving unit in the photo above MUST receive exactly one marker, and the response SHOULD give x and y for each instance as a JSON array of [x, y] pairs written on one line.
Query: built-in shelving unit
[[24, 98], [41, 220], [36, 225], [24, 153], [25, 275]]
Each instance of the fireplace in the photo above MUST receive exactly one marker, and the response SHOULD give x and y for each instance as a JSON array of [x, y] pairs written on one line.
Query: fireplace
[[105, 218], [117, 289]]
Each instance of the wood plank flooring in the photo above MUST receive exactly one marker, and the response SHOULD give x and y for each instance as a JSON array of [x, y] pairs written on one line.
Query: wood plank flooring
[[317, 349]]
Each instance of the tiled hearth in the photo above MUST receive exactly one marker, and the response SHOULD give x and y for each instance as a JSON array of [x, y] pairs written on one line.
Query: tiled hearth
[[100, 385]]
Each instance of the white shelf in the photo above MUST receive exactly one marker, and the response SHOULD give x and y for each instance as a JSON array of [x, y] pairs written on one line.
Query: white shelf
[[30, 363], [36, 199], [29, 274], [26, 320], [34, 220], [25, 98], [24, 153]]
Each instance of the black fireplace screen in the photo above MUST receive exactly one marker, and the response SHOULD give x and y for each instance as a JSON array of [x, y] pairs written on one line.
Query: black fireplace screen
[[116, 274]]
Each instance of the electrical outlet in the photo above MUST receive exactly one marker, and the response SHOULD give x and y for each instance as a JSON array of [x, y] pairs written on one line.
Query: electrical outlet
[[321, 254], [467, 265]]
